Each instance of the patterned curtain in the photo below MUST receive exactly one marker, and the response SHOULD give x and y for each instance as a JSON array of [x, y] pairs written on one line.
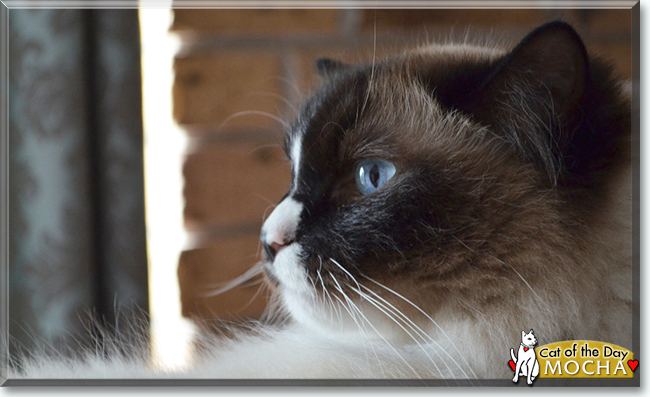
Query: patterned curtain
[[76, 196]]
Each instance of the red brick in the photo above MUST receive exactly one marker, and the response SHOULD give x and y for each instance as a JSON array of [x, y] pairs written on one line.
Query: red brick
[[257, 22], [233, 184], [204, 270], [208, 89]]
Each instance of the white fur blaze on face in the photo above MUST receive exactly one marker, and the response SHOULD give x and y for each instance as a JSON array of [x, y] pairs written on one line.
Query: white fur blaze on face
[[296, 150], [280, 227], [291, 272]]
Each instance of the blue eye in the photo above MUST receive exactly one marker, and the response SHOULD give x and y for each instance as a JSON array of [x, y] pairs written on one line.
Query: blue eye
[[372, 174]]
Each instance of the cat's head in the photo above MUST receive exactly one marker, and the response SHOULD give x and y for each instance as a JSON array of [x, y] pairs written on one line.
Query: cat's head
[[433, 183], [528, 339]]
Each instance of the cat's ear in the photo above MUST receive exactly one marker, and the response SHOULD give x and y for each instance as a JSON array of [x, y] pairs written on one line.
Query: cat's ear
[[327, 67], [531, 331], [523, 333], [552, 62], [535, 91]]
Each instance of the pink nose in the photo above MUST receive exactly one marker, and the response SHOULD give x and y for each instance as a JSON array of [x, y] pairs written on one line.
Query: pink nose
[[276, 247]]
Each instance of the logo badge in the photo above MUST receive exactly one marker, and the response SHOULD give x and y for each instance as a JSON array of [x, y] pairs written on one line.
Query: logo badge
[[525, 362], [570, 359]]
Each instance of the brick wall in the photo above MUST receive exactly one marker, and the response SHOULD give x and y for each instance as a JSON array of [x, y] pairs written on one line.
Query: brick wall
[[240, 73]]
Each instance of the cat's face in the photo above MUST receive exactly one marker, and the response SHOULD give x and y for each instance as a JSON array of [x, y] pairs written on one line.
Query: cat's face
[[528, 339], [419, 189], [417, 233]]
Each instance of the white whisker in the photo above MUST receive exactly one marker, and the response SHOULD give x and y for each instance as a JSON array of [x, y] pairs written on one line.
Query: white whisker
[[408, 321], [255, 113], [372, 69], [426, 315], [381, 308], [349, 307], [277, 96], [338, 310], [521, 277], [340, 290], [416, 328], [254, 271]]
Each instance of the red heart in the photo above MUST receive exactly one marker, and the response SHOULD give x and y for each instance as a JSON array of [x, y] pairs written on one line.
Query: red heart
[[632, 364], [525, 349], [513, 366]]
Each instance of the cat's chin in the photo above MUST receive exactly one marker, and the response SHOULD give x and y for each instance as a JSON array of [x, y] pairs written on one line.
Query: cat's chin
[[288, 273], [332, 319], [327, 313]]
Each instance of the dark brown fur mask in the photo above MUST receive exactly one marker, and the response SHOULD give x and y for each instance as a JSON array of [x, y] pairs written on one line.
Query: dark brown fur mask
[[504, 162]]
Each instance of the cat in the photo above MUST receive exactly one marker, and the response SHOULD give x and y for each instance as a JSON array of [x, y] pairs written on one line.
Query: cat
[[526, 360], [449, 192]]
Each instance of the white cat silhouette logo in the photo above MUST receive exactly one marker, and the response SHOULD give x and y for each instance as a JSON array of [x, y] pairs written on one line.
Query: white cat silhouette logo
[[525, 363]]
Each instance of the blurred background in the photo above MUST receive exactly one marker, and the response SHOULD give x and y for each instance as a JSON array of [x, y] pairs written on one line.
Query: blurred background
[[144, 149]]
